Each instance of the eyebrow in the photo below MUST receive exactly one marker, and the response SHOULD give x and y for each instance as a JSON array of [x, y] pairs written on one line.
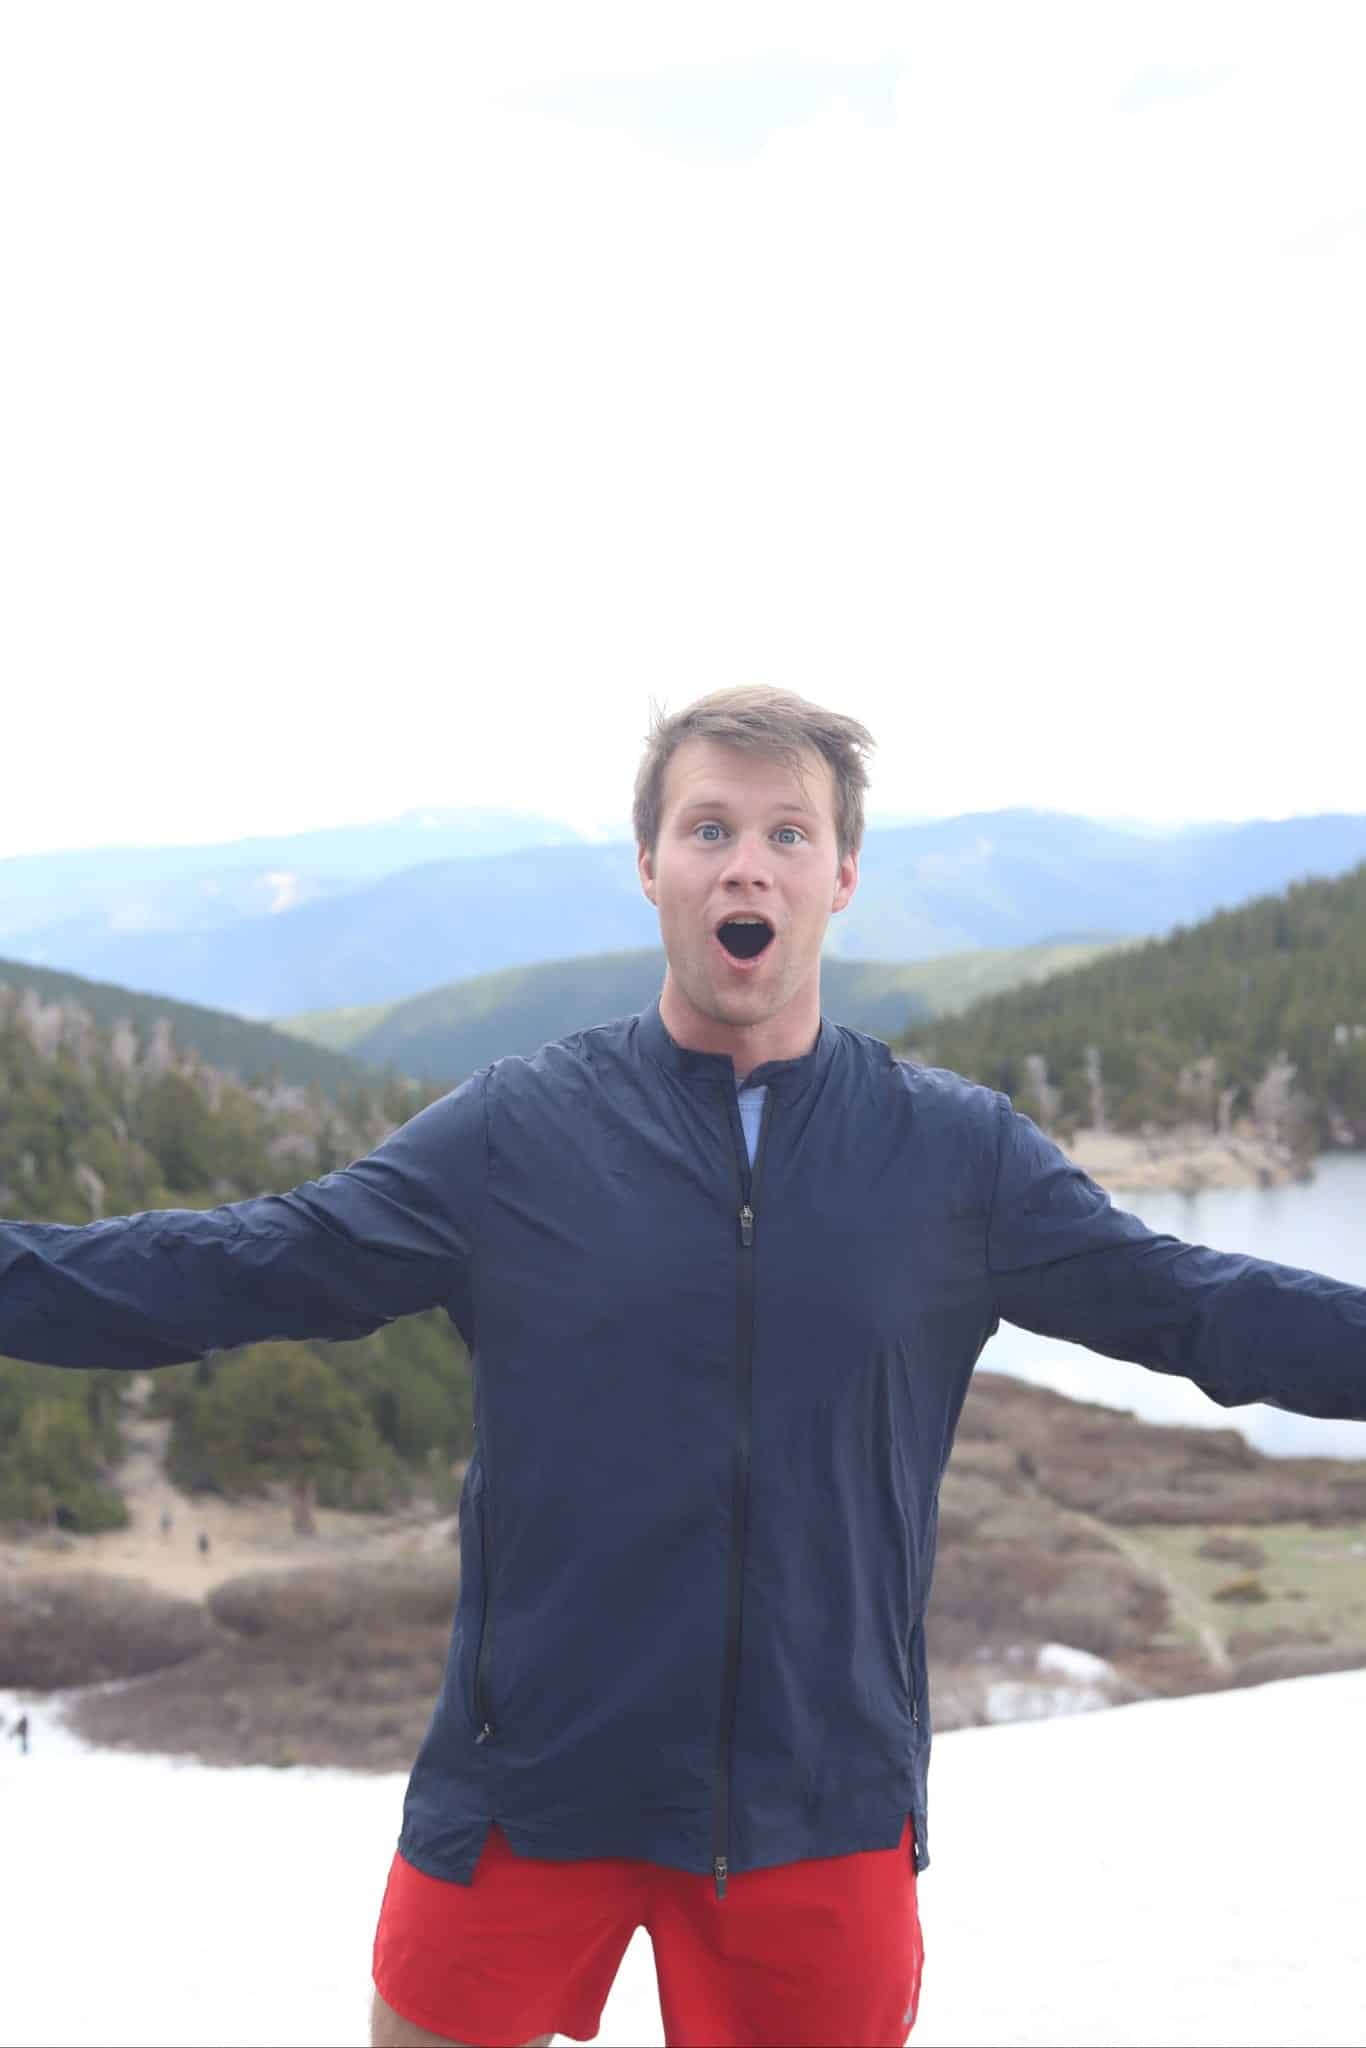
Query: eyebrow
[[719, 803]]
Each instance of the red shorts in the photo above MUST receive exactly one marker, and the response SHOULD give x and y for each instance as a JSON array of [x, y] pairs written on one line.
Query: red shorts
[[823, 1951]]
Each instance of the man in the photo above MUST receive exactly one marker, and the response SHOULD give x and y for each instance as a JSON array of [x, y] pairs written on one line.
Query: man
[[725, 1270]]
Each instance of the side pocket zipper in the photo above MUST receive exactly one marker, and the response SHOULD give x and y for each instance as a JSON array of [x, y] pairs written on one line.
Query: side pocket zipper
[[484, 1655]]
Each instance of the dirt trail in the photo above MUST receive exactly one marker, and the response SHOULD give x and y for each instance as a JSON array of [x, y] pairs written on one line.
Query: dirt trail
[[1186, 1603], [243, 1536]]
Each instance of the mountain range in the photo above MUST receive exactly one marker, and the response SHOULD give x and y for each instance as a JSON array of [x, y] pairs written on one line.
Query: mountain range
[[365, 915], [79, 898]]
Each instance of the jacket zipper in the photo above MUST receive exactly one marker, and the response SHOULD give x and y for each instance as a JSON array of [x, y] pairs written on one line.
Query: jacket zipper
[[485, 1656], [744, 1381]]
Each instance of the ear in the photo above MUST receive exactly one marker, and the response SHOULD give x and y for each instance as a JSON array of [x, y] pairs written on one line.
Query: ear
[[645, 868], [846, 881]]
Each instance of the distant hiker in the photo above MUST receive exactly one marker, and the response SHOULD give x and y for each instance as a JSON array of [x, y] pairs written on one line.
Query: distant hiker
[[20, 1733], [203, 1544], [165, 1522], [725, 1269]]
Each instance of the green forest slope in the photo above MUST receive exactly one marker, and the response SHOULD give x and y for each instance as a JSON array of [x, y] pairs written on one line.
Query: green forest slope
[[114, 1103], [232, 1044], [1258, 1012], [452, 1031], [102, 1120]]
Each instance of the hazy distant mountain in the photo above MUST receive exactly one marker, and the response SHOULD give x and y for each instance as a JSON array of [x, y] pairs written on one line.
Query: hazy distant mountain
[[399, 936], [1006, 878], [62, 903], [450, 1032], [1012, 878]]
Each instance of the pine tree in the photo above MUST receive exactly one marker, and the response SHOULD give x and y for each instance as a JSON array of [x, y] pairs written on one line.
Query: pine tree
[[279, 1412]]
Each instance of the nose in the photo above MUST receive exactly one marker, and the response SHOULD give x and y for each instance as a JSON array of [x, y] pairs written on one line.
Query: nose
[[750, 865]]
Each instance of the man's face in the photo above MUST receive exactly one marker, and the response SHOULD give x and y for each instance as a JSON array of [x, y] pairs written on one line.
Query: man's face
[[742, 837]]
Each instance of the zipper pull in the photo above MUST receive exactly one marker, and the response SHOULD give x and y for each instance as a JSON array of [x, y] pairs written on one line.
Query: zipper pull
[[720, 1867], [484, 1733], [746, 1228]]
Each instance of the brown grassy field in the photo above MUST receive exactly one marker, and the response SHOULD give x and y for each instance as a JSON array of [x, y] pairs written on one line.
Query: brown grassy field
[[1182, 1557]]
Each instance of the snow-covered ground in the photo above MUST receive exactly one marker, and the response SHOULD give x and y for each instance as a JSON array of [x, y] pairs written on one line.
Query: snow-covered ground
[[1183, 1872]]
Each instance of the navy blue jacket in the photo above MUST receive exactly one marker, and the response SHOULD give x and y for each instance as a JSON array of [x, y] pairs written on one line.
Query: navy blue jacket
[[712, 1405]]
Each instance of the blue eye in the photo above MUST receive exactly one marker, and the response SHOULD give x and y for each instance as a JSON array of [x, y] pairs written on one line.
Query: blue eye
[[796, 834], [709, 828]]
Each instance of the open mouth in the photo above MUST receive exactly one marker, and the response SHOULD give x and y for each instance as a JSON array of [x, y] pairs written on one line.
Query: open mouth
[[744, 938]]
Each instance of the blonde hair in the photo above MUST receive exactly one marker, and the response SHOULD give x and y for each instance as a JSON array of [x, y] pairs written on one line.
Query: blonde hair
[[767, 721]]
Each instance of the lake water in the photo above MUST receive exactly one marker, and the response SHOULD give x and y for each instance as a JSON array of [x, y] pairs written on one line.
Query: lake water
[[1320, 1224]]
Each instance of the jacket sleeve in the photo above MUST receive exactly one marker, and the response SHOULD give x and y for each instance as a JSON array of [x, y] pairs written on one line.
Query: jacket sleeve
[[335, 1258], [1066, 1263]]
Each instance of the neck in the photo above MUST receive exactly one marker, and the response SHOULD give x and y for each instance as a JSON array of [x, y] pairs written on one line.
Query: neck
[[787, 1036]]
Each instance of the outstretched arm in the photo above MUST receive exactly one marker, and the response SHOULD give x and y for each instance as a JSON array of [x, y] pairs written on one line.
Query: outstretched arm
[[335, 1258], [1067, 1263]]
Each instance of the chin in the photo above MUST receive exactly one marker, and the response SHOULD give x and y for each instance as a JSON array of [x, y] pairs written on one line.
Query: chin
[[745, 1007]]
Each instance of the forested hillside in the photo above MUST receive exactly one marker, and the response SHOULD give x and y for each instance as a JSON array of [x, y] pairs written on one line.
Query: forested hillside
[[105, 1120], [1255, 1013], [1258, 1013], [251, 1052], [452, 1031]]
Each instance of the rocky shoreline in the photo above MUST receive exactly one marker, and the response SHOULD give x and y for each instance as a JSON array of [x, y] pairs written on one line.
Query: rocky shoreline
[[1187, 1159]]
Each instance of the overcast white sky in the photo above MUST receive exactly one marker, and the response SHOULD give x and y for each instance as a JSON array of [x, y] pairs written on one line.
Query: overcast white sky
[[395, 399]]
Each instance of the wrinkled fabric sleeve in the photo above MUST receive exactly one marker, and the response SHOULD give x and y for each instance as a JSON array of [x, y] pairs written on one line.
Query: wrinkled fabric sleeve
[[1065, 1262], [338, 1257]]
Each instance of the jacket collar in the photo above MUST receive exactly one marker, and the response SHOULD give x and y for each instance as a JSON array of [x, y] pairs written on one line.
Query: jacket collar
[[785, 1076]]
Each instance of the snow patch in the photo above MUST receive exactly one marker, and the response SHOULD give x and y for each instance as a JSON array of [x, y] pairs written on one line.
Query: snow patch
[[286, 889], [1062, 1661], [1130, 1877], [1064, 1681]]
